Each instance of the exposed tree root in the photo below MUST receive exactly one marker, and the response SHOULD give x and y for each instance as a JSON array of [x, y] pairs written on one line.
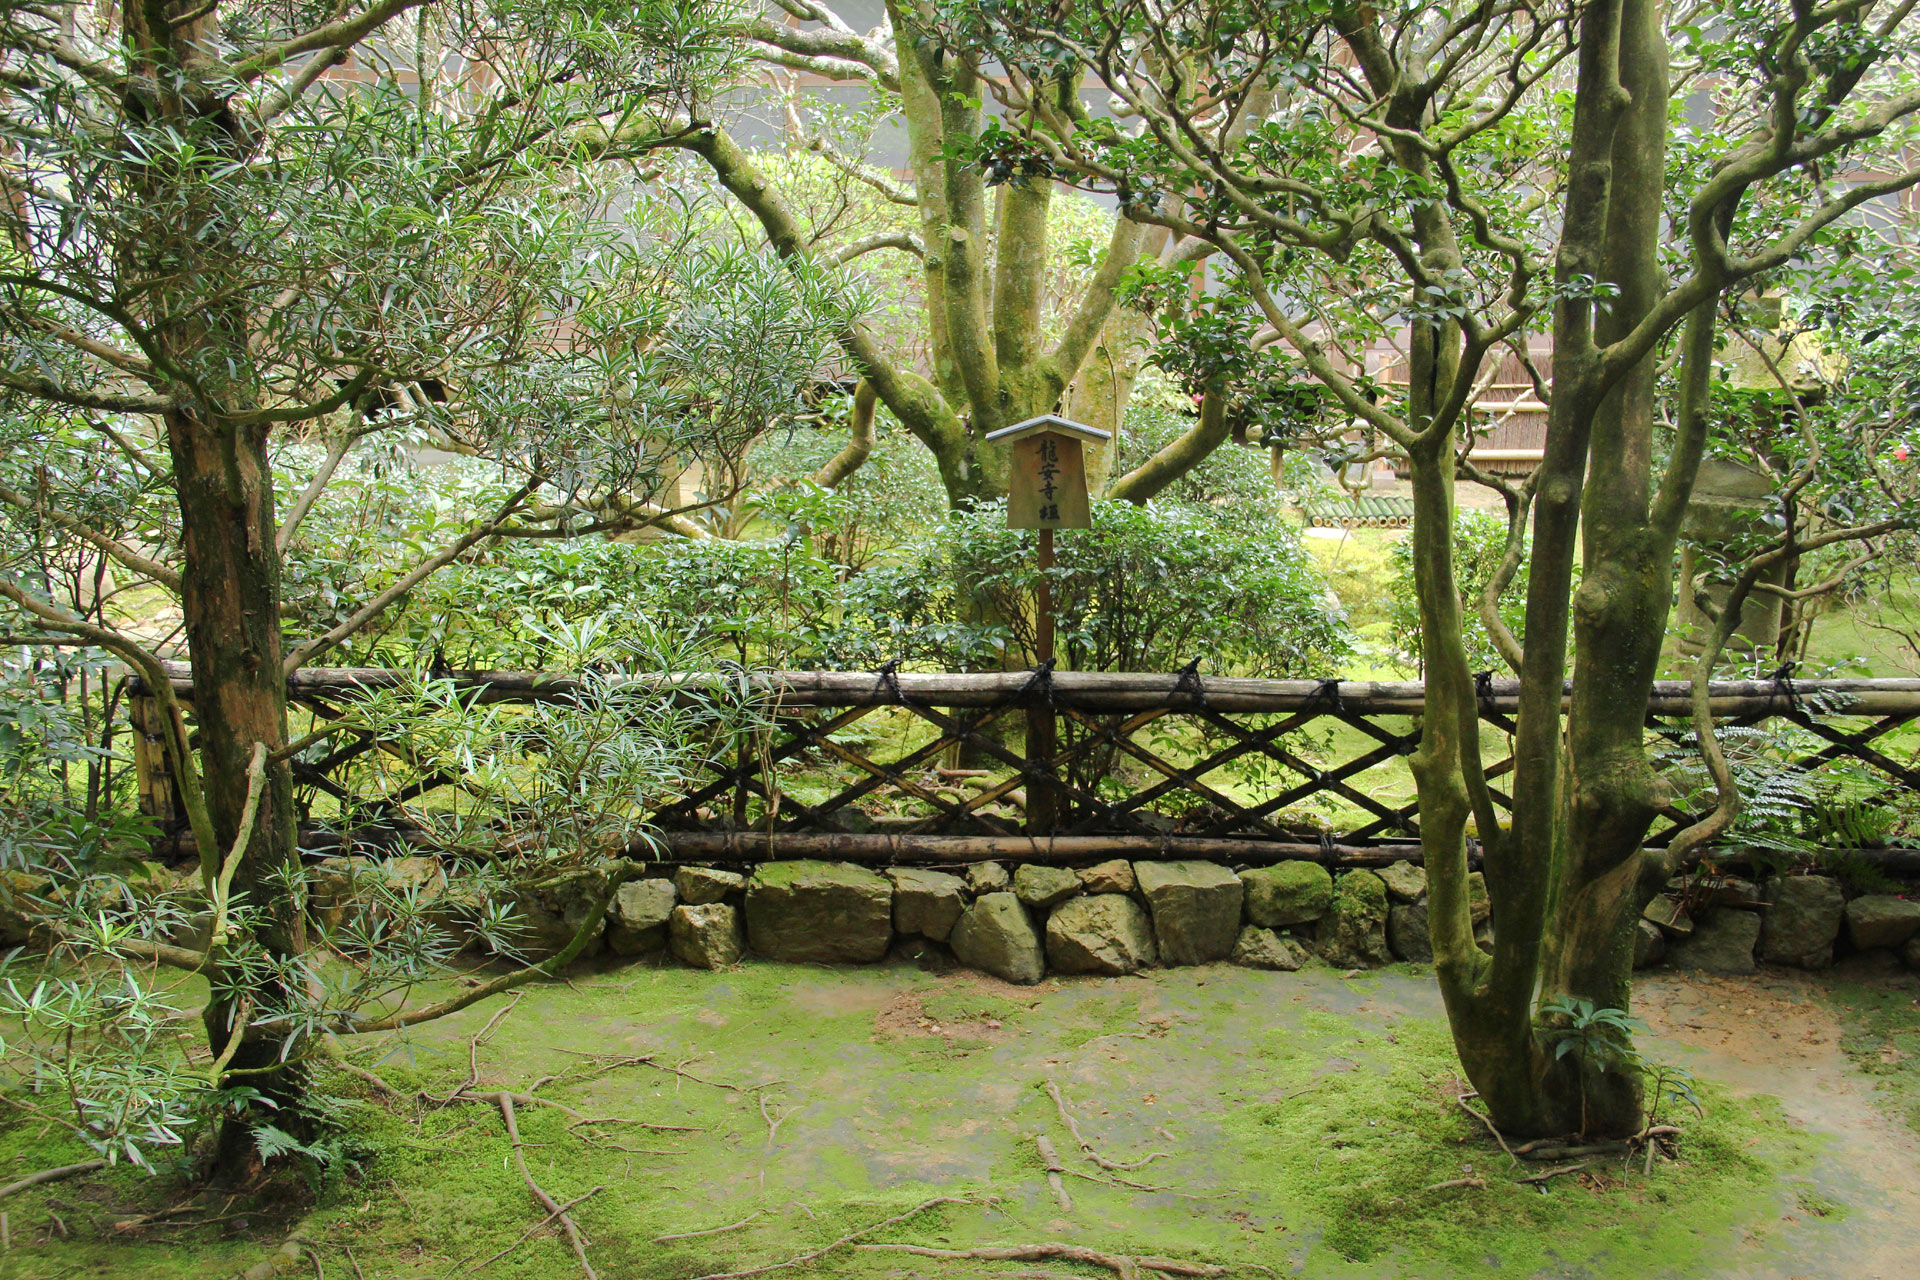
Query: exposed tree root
[[372, 1078], [554, 1208], [605, 1063], [1457, 1182], [1542, 1150], [1545, 1174], [1044, 1145], [60, 1174], [287, 1257], [1122, 1265], [1546, 1149], [1066, 1118], [803, 1259]]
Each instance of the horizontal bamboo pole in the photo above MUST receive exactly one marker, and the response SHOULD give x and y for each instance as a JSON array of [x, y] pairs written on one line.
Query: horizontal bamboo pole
[[725, 846], [1107, 691], [752, 847]]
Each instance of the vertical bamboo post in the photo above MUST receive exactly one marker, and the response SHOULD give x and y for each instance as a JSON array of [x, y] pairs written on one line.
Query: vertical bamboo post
[[153, 777], [1042, 732]]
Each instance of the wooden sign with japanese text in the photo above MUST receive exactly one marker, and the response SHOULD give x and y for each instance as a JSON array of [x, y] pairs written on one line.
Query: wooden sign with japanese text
[[1047, 484]]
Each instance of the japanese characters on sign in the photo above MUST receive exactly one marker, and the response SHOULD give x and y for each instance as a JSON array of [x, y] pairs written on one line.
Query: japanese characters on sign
[[1047, 478]]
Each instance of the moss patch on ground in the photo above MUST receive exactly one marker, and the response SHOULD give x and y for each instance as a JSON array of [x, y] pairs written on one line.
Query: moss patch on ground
[[1882, 1039], [1300, 1115]]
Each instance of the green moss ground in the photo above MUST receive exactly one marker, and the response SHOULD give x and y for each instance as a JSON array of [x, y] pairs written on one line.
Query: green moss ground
[[1302, 1116], [1882, 1039]]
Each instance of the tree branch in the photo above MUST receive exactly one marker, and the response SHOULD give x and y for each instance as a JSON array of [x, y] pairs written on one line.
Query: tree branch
[[308, 650], [146, 568]]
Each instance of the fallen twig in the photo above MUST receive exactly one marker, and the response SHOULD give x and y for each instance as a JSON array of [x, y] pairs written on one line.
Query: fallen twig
[[286, 1256], [526, 1235], [1066, 1118], [1487, 1121], [1122, 1265], [1109, 1180], [371, 1077], [60, 1174], [1457, 1182], [710, 1231], [773, 1127], [650, 1060], [802, 1259], [473, 1053], [554, 1208]]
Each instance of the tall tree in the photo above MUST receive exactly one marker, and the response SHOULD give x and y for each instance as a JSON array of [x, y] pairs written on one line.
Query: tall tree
[[982, 243], [236, 228], [1399, 171]]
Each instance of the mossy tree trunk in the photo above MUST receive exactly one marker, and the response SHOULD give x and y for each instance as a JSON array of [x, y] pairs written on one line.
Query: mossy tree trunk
[[230, 571], [984, 269]]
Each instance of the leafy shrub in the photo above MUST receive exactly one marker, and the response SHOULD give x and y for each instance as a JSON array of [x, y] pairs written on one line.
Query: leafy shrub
[[1148, 588], [1479, 542]]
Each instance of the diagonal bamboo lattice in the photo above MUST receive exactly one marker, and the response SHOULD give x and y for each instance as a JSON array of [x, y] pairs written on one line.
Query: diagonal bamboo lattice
[[870, 765]]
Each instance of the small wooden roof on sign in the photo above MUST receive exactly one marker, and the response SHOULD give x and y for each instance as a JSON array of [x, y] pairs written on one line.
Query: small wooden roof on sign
[[1049, 422]]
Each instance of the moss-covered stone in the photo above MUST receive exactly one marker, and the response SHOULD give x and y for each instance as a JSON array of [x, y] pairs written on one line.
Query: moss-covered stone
[[1039, 887], [707, 935], [1802, 921], [1101, 933], [1259, 948], [1649, 944], [927, 903], [825, 912], [698, 886], [996, 935], [1882, 920], [1405, 882], [551, 913], [18, 889], [1196, 909], [1409, 935], [1722, 942], [1287, 893], [1108, 877], [637, 921], [1353, 933], [988, 877]]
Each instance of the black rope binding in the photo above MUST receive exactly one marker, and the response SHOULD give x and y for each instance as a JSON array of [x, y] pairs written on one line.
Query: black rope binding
[[888, 678], [1783, 683], [1328, 693], [1189, 683], [1328, 854], [1043, 678], [1483, 690]]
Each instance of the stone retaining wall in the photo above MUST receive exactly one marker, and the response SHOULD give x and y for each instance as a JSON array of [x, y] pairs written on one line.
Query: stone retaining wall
[[1119, 917]]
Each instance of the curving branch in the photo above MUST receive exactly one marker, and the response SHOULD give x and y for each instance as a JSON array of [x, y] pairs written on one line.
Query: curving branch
[[308, 650], [343, 32], [900, 240], [113, 547], [1178, 456], [104, 401], [618, 873], [858, 446]]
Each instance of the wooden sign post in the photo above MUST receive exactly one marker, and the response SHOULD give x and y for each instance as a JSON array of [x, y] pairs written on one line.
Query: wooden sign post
[[1046, 490]]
